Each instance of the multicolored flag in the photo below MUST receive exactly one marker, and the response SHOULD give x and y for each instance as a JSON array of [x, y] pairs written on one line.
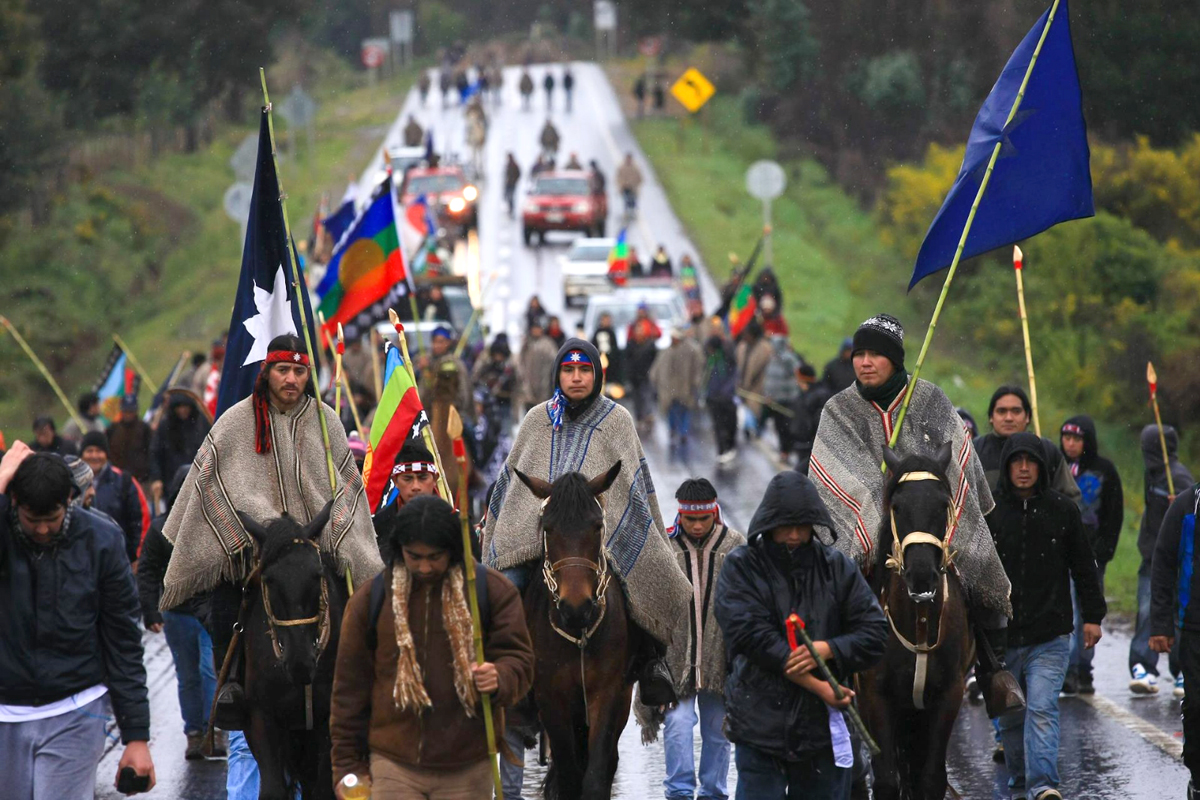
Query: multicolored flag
[[117, 381], [618, 260], [398, 418], [366, 274], [742, 309]]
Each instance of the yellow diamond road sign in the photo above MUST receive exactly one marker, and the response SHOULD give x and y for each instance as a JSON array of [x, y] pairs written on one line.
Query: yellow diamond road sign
[[693, 90]]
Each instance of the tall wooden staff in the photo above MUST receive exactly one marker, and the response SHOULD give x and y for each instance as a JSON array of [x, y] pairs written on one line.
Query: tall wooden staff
[[1018, 267], [962, 240], [376, 371], [454, 428], [338, 352], [37, 362], [150, 384], [345, 384], [1152, 379], [426, 433]]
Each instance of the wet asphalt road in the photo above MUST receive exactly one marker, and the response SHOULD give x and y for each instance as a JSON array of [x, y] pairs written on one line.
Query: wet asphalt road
[[1113, 746]]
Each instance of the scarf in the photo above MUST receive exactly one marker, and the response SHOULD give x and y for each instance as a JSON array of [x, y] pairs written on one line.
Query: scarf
[[884, 394], [409, 693]]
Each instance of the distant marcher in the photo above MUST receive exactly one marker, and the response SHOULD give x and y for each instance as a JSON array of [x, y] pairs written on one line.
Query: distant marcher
[[781, 387], [526, 88], [968, 421], [806, 410], [1010, 412], [548, 85], [129, 441], [537, 365], [356, 363], [568, 82], [639, 94], [641, 348], [573, 162], [605, 340], [535, 312], [839, 373], [597, 182], [89, 411], [660, 264], [181, 431], [660, 96], [720, 395], [549, 138], [423, 85], [512, 176], [677, 377], [118, 494], [629, 181], [754, 354], [414, 134], [554, 330], [47, 440], [414, 473]]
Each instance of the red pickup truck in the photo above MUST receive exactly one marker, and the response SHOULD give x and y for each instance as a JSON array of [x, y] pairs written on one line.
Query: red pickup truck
[[563, 201], [450, 195]]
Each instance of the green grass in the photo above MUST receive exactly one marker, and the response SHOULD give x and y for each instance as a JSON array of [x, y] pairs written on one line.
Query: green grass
[[835, 272]]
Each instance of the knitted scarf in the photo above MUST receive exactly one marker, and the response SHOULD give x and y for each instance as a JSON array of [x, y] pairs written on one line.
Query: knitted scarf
[[409, 693]]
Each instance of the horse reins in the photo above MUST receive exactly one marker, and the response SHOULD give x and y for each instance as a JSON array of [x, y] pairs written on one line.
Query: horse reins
[[895, 562]]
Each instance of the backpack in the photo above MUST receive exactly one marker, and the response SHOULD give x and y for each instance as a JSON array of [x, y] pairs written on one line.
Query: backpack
[[379, 588]]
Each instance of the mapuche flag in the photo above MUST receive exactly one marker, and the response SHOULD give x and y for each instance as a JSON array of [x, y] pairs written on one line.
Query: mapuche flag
[[366, 274], [1042, 176], [118, 380], [398, 418], [265, 305], [618, 260], [742, 309]]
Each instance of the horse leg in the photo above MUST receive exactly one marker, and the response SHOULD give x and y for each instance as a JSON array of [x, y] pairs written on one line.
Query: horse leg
[[885, 768], [933, 781], [607, 721], [564, 780], [270, 751]]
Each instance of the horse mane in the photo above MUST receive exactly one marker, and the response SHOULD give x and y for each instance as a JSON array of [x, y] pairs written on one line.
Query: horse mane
[[570, 497], [280, 533], [911, 463]]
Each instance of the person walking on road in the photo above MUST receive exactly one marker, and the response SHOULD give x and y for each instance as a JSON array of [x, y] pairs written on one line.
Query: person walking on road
[[1143, 661], [70, 646], [639, 94], [423, 84], [89, 411], [660, 264], [641, 349], [781, 387], [414, 134], [1010, 412], [181, 431], [512, 176], [568, 82], [677, 376], [548, 85], [536, 363], [754, 354], [806, 414], [720, 395], [525, 85], [605, 340], [792, 739], [549, 139], [1044, 547], [47, 440], [118, 494], [405, 712], [1103, 515], [129, 441], [839, 372], [629, 181]]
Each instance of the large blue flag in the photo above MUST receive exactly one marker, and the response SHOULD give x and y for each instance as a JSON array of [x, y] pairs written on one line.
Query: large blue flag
[[339, 221], [265, 305], [1042, 176]]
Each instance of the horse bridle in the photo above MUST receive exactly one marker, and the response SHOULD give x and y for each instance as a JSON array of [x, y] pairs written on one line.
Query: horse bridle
[[896, 560], [321, 618], [600, 567]]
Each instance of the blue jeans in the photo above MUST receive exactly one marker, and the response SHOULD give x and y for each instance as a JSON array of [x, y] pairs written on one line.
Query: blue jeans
[[761, 777], [679, 419], [241, 782], [1031, 736], [1139, 648], [512, 777], [1081, 658], [191, 649], [679, 748]]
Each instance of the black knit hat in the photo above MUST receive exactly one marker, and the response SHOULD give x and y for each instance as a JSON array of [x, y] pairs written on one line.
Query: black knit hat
[[883, 334], [94, 439]]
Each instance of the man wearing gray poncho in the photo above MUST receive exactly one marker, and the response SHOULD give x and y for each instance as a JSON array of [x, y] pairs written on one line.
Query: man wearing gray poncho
[[855, 426]]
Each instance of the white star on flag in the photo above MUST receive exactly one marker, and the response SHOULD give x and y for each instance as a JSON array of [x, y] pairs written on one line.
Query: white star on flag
[[575, 357], [274, 317]]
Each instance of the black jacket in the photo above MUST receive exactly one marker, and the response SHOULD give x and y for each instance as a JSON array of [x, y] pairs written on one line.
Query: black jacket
[[118, 495], [69, 620], [839, 375], [1173, 576], [990, 447], [762, 583], [153, 560], [57, 445], [176, 441], [1103, 502], [1043, 546], [1157, 492]]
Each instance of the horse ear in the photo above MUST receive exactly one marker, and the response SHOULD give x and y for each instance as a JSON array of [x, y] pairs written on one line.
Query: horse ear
[[256, 531], [601, 483], [318, 523], [539, 487], [944, 456], [891, 459]]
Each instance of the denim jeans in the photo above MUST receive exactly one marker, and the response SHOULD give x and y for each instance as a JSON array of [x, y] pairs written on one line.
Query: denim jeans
[[241, 782], [1081, 658], [1031, 736], [680, 753], [191, 649], [761, 777], [512, 777], [679, 419], [1139, 647]]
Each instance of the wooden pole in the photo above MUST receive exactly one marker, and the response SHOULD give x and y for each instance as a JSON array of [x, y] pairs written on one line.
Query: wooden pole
[[1019, 268], [426, 433], [338, 352], [150, 384], [376, 370], [1152, 379], [299, 285], [962, 241], [37, 362], [454, 428]]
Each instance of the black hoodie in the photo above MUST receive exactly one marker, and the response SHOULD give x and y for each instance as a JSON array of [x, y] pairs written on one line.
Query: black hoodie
[[1103, 502], [1043, 546], [575, 409], [1157, 492], [152, 563], [760, 584]]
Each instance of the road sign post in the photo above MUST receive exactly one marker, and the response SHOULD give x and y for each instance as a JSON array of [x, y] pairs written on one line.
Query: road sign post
[[604, 20], [400, 30], [300, 110], [766, 180], [374, 54], [693, 90]]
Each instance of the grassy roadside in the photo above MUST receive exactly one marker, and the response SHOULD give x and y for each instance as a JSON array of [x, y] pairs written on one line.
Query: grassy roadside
[[835, 272]]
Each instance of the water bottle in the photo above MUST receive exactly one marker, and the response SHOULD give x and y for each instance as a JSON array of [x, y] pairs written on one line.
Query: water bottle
[[355, 788]]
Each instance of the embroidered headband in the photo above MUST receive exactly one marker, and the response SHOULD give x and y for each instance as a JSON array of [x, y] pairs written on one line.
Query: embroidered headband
[[286, 356], [1072, 428], [577, 357], [699, 508], [415, 466]]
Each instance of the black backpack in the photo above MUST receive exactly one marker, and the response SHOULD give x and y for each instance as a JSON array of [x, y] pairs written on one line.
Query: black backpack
[[379, 588]]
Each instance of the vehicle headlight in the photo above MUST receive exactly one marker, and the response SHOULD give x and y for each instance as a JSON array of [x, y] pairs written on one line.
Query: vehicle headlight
[[457, 205], [470, 193], [531, 207], [581, 207]]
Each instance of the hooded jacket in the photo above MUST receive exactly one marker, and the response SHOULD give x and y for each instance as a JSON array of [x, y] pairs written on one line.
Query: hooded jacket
[[1043, 545], [1157, 491], [990, 446], [574, 409], [780, 383], [760, 585], [176, 441], [1173, 578], [153, 560], [1103, 502]]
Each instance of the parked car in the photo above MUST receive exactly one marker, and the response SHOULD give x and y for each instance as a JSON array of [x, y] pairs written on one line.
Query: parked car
[[585, 269], [665, 304], [563, 201], [450, 195]]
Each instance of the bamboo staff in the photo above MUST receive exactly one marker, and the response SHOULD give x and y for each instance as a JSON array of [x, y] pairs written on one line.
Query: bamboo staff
[[150, 384], [338, 352], [1018, 267], [345, 383], [376, 372], [299, 285], [454, 428], [37, 362], [1152, 379], [962, 241], [426, 433]]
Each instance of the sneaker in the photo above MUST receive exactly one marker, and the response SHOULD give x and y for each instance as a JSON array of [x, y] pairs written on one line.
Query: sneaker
[[1178, 686], [1143, 682], [998, 753], [974, 692], [195, 746], [1086, 686], [1050, 794]]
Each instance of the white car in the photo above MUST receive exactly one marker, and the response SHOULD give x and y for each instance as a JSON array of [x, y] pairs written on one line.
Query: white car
[[585, 269], [665, 304]]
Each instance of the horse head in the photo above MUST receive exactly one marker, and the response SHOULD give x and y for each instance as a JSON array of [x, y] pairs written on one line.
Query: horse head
[[575, 568], [295, 592], [919, 512]]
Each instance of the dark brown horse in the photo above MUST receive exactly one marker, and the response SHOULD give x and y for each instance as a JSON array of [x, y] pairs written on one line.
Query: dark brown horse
[[295, 599], [582, 640], [910, 700]]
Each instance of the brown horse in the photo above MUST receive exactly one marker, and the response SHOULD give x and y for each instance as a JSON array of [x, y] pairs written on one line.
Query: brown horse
[[582, 640], [911, 699]]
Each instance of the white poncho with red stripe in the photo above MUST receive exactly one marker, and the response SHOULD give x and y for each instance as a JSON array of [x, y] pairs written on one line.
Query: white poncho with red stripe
[[845, 466]]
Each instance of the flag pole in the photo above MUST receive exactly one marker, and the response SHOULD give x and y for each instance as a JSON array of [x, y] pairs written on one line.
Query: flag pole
[[1152, 379], [962, 241], [298, 283], [37, 362], [426, 433], [338, 352], [376, 373], [151, 385], [1019, 268]]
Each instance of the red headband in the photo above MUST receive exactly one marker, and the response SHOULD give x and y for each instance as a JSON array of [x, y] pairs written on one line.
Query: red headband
[[286, 356], [699, 508], [1073, 429]]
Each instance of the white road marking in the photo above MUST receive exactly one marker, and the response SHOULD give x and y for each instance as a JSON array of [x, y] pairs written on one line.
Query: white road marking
[[1147, 730]]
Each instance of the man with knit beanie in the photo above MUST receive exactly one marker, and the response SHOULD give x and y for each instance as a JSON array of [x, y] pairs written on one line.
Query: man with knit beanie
[[856, 425]]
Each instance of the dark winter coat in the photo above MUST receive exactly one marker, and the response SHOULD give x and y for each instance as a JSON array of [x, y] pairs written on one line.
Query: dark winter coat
[[176, 441], [1173, 574], [1043, 546], [721, 368], [839, 375], [806, 416], [69, 620], [57, 445], [990, 448], [1103, 502], [153, 560], [761, 584], [118, 495], [1157, 492], [129, 447]]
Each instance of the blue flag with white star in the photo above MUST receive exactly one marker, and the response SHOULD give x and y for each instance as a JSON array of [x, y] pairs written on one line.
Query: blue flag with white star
[[1042, 176], [265, 304]]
